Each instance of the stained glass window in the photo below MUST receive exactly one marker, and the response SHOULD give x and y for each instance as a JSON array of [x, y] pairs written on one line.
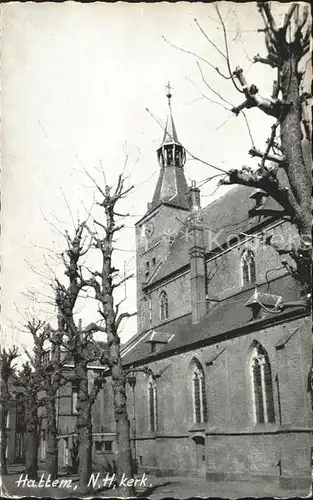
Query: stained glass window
[[248, 268], [163, 305], [263, 400], [199, 393], [152, 396]]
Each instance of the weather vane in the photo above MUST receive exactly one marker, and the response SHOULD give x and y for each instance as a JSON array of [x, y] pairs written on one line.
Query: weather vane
[[169, 95]]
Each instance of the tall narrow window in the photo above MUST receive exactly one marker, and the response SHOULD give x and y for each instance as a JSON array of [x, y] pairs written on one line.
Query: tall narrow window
[[43, 445], [199, 393], [152, 397], [248, 274], [262, 387], [163, 305]]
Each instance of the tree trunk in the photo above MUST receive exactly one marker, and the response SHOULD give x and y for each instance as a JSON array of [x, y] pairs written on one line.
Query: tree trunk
[[31, 439], [4, 439], [124, 460], [291, 138], [296, 170], [84, 428], [52, 442]]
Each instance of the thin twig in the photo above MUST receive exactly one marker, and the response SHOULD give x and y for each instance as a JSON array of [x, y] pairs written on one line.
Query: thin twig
[[208, 98], [192, 155], [248, 127], [211, 88], [195, 55], [209, 40], [227, 51]]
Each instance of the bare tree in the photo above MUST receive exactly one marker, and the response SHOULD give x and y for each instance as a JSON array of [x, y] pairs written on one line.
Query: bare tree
[[283, 171], [7, 368], [286, 45], [53, 377], [78, 344], [31, 382], [104, 282]]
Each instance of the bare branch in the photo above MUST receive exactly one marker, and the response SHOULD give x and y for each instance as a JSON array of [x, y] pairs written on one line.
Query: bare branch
[[268, 13], [248, 127], [288, 16], [266, 180], [197, 56], [210, 41], [190, 154], [272, 107], [208, 98], [271, 157], [269, 60], [300, 23], [227, 51], [123, 316], [123, 280], [270, 143], [211, 88]]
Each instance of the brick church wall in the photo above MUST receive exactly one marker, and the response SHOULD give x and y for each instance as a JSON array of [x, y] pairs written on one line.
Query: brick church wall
[[234, 444], [224, 272]]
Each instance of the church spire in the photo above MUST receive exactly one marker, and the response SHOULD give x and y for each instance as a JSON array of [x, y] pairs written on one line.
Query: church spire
[[172, 186], [170, 152], [170, 134]]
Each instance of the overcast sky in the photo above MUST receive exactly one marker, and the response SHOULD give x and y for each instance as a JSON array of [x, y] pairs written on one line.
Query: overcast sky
[[76, 82]]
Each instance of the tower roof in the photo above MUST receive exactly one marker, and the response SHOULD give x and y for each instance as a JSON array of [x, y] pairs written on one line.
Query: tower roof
[[170, 134], [171, 187]]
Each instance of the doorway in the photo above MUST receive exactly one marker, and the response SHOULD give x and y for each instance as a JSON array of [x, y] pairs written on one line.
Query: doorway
[[200, 455]]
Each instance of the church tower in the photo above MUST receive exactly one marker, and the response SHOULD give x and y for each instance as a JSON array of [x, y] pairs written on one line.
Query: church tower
[[157, 229]]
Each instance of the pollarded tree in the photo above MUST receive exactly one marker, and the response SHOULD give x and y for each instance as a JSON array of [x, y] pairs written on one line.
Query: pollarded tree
[[41, 379], [31, 381], [105, 281], [284, 171], [289, 181], [79, 345], [52, 374], [7, 371]]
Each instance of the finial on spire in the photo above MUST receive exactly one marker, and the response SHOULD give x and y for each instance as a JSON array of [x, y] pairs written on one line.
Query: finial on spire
[[169, 95]]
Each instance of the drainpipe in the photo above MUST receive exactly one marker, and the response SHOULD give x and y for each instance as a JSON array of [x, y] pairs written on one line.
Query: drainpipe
[[132, 382]]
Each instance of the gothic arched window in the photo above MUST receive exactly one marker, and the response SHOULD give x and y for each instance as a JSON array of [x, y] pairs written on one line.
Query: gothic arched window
[[163, 305], [198, 393], [248, 274], [152, 398], [262, 387]]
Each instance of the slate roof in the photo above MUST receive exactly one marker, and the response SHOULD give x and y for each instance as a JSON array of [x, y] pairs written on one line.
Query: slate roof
[[170, 134], [223, 218], [171, 188], [230, 314]]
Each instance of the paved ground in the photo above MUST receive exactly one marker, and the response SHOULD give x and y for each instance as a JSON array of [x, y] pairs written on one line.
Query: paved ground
[[153, 488]]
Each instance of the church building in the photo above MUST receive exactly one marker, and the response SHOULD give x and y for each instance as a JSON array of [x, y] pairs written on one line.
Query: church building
[[219, 370], [223, 334]]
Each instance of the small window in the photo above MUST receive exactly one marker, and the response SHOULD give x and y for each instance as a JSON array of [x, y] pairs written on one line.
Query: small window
[[248, 273], [262, 388], [140, 460], [199, 393], [153, 261], [98, 446], [163, 305], [147, 268], [152, 398], [108, 445], [45, 359], [74, 397], [43, 445]]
